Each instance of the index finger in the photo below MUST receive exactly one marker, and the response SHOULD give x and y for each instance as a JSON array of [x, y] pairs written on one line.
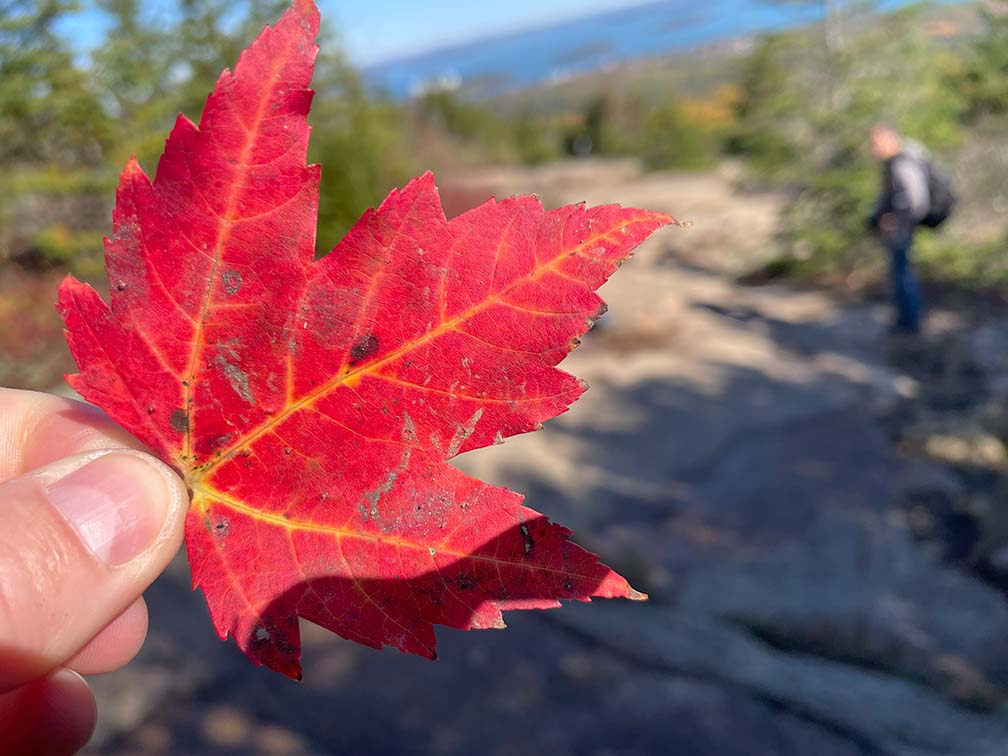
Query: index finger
[[37, 429]]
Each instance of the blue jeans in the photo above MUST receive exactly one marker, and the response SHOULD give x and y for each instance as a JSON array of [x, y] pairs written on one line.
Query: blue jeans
[[906, 290]]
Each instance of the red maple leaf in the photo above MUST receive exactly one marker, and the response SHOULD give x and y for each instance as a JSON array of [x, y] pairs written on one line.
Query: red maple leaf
[[311, 406]]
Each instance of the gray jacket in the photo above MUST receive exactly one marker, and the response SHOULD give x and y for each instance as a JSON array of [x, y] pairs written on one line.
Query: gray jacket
[[905, 187]]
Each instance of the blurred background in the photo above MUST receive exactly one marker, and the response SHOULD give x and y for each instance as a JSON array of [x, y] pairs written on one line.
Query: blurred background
[[817, 509]]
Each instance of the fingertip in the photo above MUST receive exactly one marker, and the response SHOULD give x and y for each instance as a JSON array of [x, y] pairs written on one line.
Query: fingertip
[[37, 429], [73, 713], [165, 485], [53, 715], [89, 533], [125, 507], [116, 645]]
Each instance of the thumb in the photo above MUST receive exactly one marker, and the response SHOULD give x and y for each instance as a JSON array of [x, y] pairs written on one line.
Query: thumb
[[81, 539]]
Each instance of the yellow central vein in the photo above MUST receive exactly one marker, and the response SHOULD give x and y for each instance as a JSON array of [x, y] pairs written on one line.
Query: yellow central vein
[[195, 476], [228, 221]]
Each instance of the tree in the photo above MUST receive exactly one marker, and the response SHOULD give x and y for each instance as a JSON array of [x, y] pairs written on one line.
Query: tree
[[358, 141], [209, 38], [133, 71], [835, 16], [984, 80], [48, 113], [767, 106]]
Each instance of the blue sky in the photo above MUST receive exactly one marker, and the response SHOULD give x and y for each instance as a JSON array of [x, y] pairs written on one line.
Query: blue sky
[[378, 30]]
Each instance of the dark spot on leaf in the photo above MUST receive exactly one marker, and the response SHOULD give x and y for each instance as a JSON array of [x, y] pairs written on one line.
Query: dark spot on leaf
[[568, 586], [150, 409], [120, 286], [218, 526], [179, 420], [363, 349], [231, 281], [527, 542], [465, 581], [287, 450]]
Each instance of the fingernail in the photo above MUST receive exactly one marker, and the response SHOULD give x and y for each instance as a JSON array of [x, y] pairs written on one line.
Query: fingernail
[[116, 503]]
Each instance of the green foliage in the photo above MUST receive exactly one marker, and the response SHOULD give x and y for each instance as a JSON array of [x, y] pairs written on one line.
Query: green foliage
[[978, 266], [47, 111], [132, 76], [803, 119], [67, 128], [57, 246], [596, 124], [208, 39], [593, 132], [666, 131], [534, 141], [670, 139], [466, 122], [983, 80], [825, 226], [461, 119], [768, 104], [359, 143], [797, 115]]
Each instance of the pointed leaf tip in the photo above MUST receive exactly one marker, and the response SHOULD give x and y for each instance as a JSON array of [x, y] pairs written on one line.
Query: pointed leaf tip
[[306, 8]]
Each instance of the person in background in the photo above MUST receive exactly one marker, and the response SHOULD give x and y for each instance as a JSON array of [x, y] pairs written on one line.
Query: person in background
[[902, 204]]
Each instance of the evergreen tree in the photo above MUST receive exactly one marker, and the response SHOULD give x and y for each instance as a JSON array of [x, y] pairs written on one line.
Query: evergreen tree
[[48, 113], [133, 70], [984, 79]]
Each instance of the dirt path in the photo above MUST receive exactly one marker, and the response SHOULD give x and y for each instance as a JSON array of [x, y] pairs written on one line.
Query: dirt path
[[736, 457]]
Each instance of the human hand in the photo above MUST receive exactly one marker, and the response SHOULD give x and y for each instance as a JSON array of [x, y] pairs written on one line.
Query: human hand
[[887, 224], [88, 522]]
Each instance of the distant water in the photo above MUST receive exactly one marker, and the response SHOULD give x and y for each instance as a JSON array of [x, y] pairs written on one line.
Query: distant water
[[498, 64]]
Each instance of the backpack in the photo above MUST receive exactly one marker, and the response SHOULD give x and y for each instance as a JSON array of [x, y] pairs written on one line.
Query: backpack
[[942, 196]]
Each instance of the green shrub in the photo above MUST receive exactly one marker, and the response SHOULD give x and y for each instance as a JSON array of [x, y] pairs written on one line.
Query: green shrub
[[671, 139], [535, 138], [359, 142]]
